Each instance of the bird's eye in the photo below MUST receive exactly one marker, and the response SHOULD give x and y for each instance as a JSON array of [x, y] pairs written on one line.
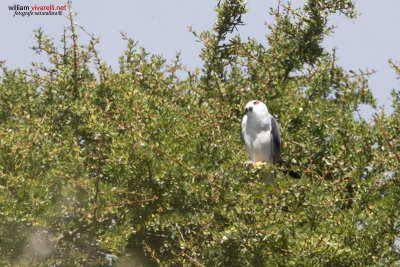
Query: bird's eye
[[256, 102]]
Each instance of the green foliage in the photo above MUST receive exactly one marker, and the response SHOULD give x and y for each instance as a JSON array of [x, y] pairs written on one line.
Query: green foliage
[[143, 167]]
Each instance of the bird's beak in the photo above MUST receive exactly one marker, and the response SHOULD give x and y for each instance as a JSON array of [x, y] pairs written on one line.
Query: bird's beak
[[248, 109]]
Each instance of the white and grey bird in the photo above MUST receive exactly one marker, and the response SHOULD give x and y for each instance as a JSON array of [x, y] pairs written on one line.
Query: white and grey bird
[[261, 135]]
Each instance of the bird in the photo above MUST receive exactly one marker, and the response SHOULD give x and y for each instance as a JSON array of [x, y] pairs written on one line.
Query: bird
[[262, 137]]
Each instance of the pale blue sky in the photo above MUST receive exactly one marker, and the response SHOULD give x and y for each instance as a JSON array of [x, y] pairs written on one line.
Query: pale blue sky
[[161, 27]]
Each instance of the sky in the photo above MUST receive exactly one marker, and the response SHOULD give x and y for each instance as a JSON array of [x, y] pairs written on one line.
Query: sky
[[161, 27]]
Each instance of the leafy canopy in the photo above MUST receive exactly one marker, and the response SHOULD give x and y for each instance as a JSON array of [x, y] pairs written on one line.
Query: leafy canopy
[[144, 165]]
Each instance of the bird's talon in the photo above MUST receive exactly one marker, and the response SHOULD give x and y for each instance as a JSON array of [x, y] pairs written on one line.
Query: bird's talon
[[248, 164], [259, 164]]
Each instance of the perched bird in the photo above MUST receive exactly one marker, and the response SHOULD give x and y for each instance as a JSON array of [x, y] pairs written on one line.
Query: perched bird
[[262, 137]]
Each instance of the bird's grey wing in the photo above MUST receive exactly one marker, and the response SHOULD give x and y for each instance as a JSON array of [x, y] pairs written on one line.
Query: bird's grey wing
[[276, 141]]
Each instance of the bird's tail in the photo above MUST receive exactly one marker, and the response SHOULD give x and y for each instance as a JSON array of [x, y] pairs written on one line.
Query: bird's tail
[[288, 169]]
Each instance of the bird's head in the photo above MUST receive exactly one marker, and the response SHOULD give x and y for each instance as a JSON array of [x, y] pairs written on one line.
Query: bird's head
[[255, 108]]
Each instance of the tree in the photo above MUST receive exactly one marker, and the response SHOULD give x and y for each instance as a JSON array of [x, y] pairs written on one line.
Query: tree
[[142, 166]]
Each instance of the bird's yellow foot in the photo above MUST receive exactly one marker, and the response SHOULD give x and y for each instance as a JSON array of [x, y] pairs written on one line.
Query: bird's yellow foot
[[259, 164]]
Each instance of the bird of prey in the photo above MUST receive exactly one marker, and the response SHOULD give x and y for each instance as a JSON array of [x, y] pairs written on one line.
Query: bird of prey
[[262, 137], [261, 134]]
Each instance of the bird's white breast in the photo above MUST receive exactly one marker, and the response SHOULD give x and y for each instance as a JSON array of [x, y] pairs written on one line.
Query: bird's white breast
[[258, 139]]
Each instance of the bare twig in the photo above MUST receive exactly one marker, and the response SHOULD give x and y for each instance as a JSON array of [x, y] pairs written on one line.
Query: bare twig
[[186, 246], [132, 202], [152, 254]]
